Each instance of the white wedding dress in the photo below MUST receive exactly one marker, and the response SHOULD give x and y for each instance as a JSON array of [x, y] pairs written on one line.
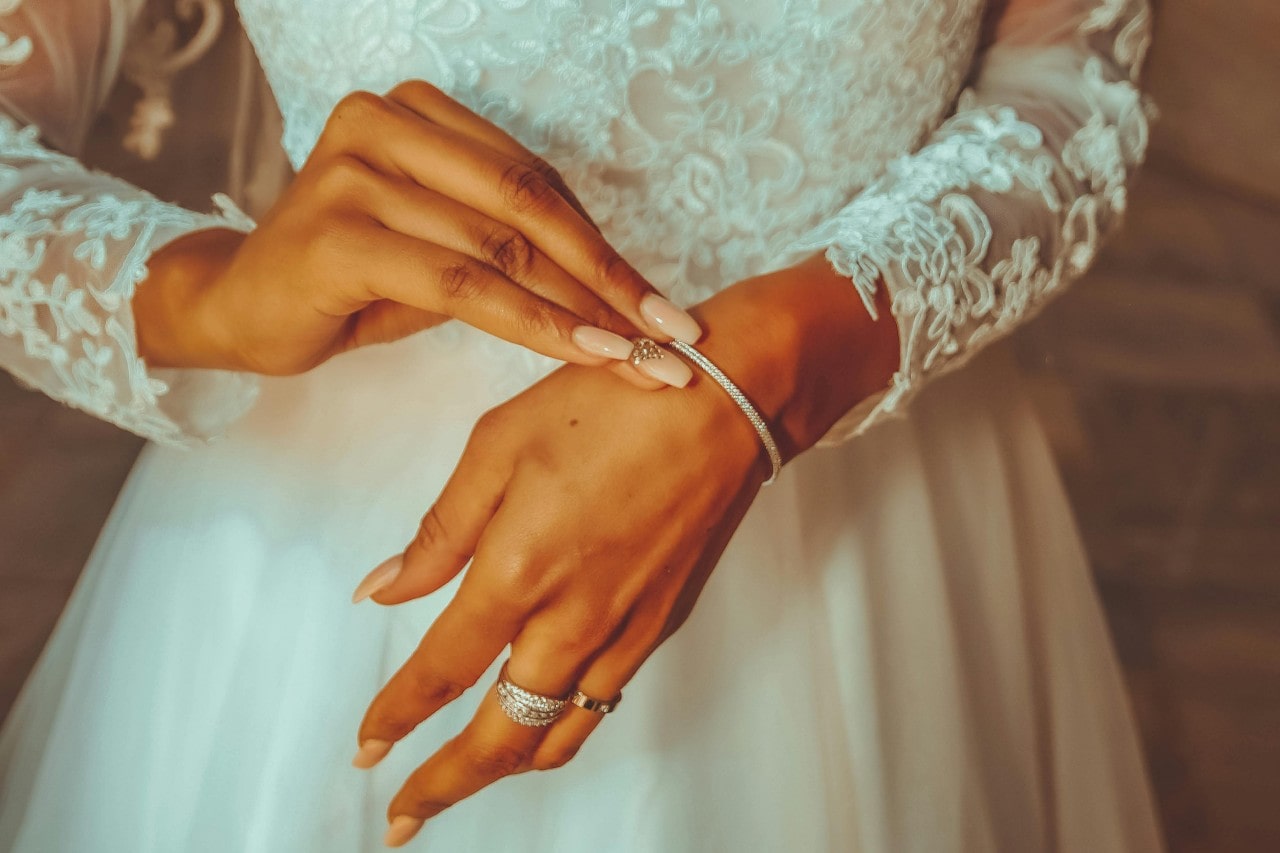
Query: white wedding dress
[[901, 650]]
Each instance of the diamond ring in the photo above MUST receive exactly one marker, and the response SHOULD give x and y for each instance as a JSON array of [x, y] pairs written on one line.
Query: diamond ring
[[526, 707]]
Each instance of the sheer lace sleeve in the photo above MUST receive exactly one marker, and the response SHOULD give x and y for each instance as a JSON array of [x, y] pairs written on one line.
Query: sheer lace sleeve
[[74, 243], [1009, 199]]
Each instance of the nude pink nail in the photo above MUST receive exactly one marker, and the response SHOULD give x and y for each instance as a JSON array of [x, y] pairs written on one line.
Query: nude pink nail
[[667, 317], [669, 369], [595, 341], [402, 830], [379, 578], [370, 753]]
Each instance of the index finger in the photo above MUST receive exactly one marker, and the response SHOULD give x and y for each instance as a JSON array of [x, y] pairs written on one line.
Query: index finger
[[520, 195], [435, 105]]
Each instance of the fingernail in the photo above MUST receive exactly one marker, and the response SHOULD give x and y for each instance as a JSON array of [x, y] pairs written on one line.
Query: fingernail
[[379, 578], [370, 753], [600, 342], [402, 830], [665, 316], [667, 368]]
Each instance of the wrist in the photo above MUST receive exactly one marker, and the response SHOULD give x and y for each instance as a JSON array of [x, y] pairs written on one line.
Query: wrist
[[175, 312], [802, 346]]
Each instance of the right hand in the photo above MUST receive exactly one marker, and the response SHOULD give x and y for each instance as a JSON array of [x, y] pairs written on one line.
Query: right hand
[[410, 210]]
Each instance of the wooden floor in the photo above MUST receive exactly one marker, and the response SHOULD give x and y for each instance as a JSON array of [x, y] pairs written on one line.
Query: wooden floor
[[1158, 379]]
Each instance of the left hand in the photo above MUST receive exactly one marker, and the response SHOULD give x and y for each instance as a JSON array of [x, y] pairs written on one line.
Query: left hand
[[593, 514]]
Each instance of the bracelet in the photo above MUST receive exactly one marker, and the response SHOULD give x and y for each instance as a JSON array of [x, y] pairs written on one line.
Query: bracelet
[[757, 421]]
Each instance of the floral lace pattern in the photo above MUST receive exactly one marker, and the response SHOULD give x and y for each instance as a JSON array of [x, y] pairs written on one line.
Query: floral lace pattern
[[712, 141], [702, 135], [73, 248], [932, 226]]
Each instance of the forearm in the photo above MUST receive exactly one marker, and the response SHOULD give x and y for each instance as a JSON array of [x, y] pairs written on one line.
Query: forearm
[[802, 345]]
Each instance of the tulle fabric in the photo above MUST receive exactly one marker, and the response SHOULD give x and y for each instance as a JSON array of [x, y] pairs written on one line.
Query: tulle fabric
[[900, 651]]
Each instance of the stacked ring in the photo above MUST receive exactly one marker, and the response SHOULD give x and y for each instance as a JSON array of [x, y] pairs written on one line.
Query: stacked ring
[[526, 707], [599, 706]]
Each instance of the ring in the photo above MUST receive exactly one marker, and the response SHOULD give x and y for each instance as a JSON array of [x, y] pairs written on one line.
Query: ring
[[599, 706], [644, 349], [526, 707]]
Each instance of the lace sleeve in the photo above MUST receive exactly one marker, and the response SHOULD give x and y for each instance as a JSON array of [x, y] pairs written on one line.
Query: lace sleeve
[[1011, 196], [74, 243]]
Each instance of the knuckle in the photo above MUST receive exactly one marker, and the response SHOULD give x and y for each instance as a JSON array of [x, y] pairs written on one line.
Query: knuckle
[[419, 805], [432, 531], [603, 317], [342, 177], [524, 189], [489, 426], [495, 760], [414, 90], [359, 106], [522, 577], [537, 318], [652, 634], [348, 125], [465, 279], [587, 630], [515, 583], [548, 172], [616, 273], [436, 689], [551, 759], [508, 250]]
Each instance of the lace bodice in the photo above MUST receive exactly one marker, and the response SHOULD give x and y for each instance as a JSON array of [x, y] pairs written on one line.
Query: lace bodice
[[717, 140], [702, 136]]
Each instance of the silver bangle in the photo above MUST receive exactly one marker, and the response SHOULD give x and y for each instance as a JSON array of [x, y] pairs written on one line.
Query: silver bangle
[[758, 422]]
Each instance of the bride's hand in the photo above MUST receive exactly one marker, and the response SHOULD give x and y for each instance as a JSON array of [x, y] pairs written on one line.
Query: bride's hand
[[411, 209], [595, 513]]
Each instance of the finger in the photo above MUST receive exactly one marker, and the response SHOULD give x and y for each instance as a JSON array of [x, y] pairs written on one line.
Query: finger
[[459, 647], [384, 321], [441, 280], [492, 746], [434, 105], [451, 529], [603, 679], [518, 195], [489, 610], [432, 217], [415, 211], [650, 622]]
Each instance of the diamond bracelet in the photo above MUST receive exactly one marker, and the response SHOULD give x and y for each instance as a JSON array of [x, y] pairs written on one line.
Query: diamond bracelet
[[734, 392]]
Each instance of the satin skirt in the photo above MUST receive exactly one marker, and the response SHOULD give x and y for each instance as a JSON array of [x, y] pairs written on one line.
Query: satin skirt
[[901, 649]]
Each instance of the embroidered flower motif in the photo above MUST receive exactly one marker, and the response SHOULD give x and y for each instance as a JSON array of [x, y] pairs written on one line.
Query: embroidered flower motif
[[69, 264], [702, 135], [710, 140], [927, 228], [13, 51]]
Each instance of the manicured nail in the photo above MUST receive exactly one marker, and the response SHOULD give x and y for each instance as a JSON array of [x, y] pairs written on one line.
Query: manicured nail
[[600, 342], [402, 830], [666, 368], [665, 316], [370, 753], [379, 578]]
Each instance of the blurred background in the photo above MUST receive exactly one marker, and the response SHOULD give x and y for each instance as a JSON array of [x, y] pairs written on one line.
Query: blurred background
[[1158, 379]]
